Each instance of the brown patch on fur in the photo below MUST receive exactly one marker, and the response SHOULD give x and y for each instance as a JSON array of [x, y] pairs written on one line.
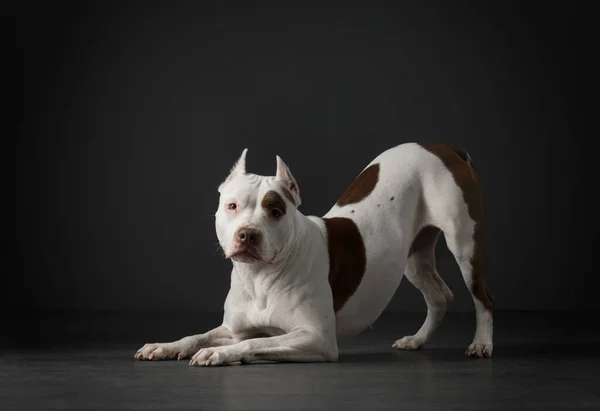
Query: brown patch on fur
[[347, 258], [361, 187], [273, 201], [289, 195], [459, 163]]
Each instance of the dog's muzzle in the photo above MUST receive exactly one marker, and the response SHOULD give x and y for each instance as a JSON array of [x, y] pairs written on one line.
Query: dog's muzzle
[[247, 241]]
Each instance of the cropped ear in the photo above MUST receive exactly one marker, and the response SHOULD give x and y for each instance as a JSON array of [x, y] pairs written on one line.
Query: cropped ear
[[238, 168], [285, 176]]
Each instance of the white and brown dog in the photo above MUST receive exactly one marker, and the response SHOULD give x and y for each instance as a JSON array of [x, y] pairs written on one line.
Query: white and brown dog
[[300, 283]]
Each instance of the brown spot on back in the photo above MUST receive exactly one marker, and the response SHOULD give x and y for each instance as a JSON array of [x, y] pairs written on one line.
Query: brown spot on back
[[361, 187], [347, 258], [289, 195], [458, 162], [273, 201]]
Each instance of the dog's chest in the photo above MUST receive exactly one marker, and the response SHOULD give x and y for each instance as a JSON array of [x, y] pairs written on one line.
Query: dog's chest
[[253, 316]]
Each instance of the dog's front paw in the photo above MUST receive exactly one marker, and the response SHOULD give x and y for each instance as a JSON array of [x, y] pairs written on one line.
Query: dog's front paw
[[160, 351], [213, 356], [479, 350], [410, 342]]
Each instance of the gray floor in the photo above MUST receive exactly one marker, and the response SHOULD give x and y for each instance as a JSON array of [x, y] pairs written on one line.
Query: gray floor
[[85, 361]]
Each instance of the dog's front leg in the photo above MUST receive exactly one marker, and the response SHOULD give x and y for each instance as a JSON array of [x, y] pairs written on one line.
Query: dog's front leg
[[296, 346], [185, 347]]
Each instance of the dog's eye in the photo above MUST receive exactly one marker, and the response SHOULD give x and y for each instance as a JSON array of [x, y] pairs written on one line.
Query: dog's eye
[[276, 213], [231, 206]]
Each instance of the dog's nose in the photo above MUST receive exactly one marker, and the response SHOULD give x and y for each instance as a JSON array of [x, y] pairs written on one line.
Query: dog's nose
[[248, 236]]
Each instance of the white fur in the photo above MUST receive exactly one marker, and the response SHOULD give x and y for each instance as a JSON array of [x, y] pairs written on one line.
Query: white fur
[[280, 308]]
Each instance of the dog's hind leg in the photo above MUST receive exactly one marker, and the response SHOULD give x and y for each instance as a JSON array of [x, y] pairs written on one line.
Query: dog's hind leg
[[467, 247], [454, 199], [421, 272]]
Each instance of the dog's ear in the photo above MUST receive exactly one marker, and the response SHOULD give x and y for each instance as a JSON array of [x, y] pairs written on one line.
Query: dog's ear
[[238, 168], [285, 176]]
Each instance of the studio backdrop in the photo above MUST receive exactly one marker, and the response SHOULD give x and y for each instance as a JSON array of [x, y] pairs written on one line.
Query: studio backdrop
[[133, 113]]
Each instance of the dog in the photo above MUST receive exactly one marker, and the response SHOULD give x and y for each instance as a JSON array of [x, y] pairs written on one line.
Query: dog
[[300, 284]]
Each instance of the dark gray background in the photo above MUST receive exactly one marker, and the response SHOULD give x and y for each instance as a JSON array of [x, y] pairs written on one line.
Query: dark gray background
[[133, 112]]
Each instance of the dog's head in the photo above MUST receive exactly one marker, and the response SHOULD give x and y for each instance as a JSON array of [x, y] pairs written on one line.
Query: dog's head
[[255, 221]]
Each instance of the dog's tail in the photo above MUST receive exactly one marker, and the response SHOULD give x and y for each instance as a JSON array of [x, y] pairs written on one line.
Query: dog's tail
[[466, 156], [462, 153]]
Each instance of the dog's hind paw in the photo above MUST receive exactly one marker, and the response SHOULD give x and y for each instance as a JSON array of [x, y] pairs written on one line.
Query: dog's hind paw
[[479, 350], [409, 342]]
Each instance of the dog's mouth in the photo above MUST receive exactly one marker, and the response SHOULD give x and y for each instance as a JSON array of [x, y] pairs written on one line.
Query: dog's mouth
[[248, 256], [245, 256]]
